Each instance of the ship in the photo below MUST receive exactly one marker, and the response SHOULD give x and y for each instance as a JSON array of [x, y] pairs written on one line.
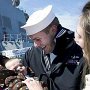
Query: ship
[[13, 39]]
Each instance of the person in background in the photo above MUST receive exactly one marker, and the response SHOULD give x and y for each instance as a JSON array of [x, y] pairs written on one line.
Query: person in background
[[55, 57], [82, 38]]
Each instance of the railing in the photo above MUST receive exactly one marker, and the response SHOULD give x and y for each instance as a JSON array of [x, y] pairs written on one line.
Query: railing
[[15, 37], [16, 2]]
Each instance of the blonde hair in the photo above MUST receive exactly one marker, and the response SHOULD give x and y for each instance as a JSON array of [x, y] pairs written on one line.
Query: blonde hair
[[85, 24]]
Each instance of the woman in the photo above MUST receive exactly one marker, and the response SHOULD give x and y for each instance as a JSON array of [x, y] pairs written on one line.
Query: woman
[[82, 37]]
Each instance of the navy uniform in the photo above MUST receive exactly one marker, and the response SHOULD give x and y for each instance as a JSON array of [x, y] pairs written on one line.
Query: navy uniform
[[66, 69]]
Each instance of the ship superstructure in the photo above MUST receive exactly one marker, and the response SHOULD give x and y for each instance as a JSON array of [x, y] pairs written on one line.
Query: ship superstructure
[[12, 37]]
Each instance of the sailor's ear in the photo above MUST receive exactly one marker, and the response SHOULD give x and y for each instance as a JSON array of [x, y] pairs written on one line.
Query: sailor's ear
[[53, 29]]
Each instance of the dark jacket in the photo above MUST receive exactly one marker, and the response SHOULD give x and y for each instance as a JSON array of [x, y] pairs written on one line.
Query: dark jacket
[[66, 69]]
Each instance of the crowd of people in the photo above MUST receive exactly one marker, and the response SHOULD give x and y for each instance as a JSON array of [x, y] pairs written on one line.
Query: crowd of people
[[58, 60]]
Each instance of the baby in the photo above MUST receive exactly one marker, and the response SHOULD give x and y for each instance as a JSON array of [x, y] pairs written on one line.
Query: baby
[[16, 65], [22, 72], [12, 73]]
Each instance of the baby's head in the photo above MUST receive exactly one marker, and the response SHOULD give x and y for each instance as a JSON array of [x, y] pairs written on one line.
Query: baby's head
[[9, 79], [15, 64]]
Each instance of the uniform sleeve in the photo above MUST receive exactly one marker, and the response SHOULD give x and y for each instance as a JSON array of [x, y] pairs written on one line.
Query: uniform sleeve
[[26, 59]]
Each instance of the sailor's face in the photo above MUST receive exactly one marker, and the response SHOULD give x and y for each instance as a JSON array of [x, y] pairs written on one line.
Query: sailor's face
[[43, 40]]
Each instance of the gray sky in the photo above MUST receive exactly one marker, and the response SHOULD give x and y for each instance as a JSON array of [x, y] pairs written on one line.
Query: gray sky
[[67, 11]]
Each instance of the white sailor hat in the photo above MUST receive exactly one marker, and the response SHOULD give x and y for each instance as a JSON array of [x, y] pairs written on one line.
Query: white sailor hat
[[39, 20]]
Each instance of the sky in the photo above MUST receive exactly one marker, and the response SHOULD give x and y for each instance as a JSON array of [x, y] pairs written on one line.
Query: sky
[[67, 11]]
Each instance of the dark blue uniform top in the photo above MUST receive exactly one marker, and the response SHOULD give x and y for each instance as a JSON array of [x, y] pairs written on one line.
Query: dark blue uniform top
[[66, 69]]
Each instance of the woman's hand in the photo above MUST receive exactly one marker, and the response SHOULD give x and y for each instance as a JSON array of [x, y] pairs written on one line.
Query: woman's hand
[[87, 83]]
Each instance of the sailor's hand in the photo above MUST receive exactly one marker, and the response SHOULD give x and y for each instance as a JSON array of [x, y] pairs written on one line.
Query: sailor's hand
[[33, 84]]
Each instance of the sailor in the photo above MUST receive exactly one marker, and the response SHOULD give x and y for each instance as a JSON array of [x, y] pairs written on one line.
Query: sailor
[[50, 38]]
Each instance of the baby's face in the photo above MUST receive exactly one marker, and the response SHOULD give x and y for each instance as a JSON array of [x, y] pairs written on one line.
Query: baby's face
[[14, 64]]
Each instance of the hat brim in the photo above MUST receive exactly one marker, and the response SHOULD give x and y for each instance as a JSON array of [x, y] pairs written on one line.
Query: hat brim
[[45, 18]]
